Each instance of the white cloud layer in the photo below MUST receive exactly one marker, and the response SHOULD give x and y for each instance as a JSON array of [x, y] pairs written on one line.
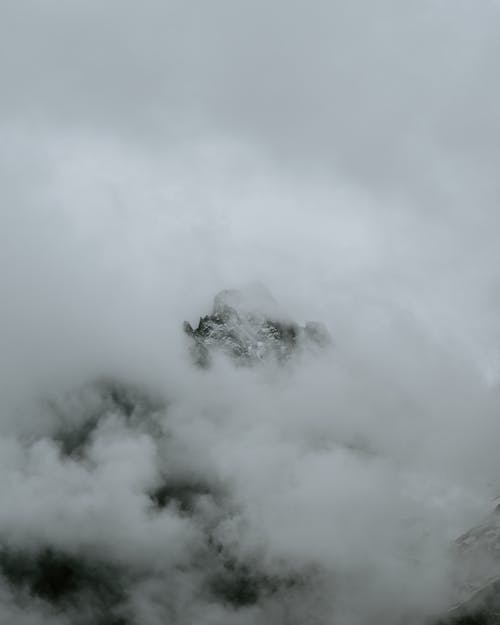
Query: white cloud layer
[[345, 155]]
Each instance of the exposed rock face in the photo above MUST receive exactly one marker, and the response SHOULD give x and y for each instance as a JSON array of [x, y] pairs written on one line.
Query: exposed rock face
[[95, 587], [482, 608], [248, 327], [478, 575]]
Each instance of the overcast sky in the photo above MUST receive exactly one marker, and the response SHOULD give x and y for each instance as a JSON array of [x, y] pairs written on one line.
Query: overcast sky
[[318, 137]]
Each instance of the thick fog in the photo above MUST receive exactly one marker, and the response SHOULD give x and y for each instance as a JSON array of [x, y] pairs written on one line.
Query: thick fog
[[152, 154]]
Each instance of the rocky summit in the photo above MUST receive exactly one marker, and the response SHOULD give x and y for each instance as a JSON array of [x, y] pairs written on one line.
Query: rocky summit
[[248, 326]]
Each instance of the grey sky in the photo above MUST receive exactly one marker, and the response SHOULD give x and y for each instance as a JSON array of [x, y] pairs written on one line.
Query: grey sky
[[385, 90]]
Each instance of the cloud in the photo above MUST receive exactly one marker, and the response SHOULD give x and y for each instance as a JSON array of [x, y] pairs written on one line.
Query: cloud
[[345, 156], [399, 97]]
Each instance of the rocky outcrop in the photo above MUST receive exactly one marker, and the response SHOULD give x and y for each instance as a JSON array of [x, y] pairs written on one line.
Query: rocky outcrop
[[477, 566], [248, 327]]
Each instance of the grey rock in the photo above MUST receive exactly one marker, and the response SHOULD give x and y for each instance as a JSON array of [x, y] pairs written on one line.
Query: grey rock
[[477, 566], [248, 326]]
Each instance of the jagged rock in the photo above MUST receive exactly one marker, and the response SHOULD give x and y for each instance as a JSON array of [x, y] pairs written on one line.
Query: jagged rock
[[248, 326], [86, 588], [482, 608], [477, 565]]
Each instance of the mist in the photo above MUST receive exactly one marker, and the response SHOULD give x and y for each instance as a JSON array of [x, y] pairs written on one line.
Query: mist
[[152, 155]]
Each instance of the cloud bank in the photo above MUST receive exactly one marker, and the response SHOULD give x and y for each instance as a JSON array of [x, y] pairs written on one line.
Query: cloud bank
[[345, 155]]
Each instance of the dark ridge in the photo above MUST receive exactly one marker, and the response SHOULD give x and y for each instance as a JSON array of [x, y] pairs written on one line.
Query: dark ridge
[[66, 581], [183, 495], [240, 585], [483, 608], [480, 618], [79, 412], [73, 441], [127, 398], [481, 544], [239, 588]]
